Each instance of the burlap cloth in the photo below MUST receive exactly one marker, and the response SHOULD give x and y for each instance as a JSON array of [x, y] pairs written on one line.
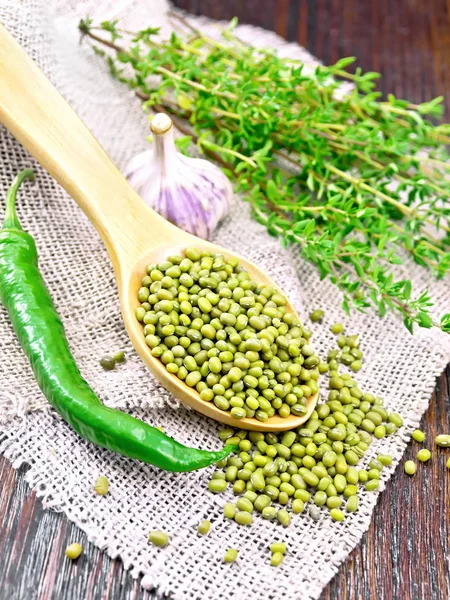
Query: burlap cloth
[[75, 265]]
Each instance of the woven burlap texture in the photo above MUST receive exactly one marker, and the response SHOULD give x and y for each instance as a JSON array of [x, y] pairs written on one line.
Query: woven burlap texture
[[77, 270]]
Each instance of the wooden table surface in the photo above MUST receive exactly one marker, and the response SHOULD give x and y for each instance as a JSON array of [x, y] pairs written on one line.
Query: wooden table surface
[[406, 553]]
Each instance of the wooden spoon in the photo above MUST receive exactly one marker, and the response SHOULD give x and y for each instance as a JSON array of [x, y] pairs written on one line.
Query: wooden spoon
[[134, 235]]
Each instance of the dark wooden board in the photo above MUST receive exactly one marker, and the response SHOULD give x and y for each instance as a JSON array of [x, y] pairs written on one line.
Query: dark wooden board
[[405, 554], [407, 41]]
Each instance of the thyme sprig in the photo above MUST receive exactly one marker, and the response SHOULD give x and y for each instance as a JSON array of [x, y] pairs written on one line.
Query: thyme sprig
[[357, 183]]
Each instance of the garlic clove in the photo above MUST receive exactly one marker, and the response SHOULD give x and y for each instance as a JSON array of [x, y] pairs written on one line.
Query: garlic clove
[[192, 193]]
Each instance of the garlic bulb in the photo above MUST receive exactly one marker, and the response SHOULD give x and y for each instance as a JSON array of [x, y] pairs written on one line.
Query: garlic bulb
[[192, 193]]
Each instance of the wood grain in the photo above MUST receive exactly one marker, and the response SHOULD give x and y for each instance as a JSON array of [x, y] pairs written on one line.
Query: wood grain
[[407, 41], [32, 544], [405, 554]]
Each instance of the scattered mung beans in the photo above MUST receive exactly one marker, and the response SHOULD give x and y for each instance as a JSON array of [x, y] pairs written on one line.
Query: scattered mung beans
[[316, 315], [443, 440], [101, 485], [363, 476], [314, 512], [424, 455], [352, 504], [73, 551], [372, 484], [276, 559], [337, 328], [396, 419], [230, 555], [334, 502], [216, 486], [119, 356], [384, 459], [204, 527], [158, 538], [336, 514], [243, 518], [298, 505], [231, 339], [410, 467], [278, 547], [229, 510], [391, 428], [269, 513], [418, 435], [108, 363], [448, 463]]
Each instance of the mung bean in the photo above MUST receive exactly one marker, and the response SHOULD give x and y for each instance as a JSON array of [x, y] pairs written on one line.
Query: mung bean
[[243, 518], [442, 440], [73, 551], [108, 363], [101, 485], [418, 435], [283, 517], [372, 485], [204, 527], [423, 455], [410, 467], [276, 559], [278, 547], [230, 555], [352, 503], [158, 538], [229, 510], [336, 514]]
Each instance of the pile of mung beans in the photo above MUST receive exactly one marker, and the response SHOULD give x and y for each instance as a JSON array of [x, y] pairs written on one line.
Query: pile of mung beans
[[314, 465], [228, 337]]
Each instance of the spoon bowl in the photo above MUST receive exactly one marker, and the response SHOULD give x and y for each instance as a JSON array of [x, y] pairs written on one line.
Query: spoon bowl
[[171, 382], [134, 235]]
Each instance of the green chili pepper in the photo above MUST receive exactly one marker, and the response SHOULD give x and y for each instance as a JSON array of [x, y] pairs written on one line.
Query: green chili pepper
[[41, 335]]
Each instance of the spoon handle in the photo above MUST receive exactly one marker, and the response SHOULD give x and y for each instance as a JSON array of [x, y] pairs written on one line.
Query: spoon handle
[[44, 123]]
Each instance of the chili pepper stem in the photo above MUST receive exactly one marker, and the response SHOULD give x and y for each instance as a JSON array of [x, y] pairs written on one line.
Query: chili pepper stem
[[11, 221]]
